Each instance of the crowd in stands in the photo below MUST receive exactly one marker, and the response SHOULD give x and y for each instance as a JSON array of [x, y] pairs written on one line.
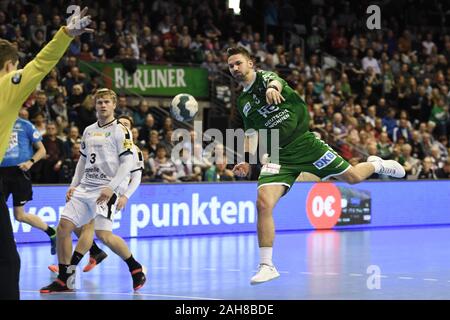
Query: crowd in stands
[[388, 94]]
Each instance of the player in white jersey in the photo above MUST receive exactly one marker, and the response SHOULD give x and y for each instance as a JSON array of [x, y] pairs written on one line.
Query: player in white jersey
[[105, 163], [103, 227]]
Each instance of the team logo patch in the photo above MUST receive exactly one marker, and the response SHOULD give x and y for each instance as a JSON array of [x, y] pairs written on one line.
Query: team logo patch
[[247, 108], [325, 160], [16, 78], [127, 144], [36, 135]]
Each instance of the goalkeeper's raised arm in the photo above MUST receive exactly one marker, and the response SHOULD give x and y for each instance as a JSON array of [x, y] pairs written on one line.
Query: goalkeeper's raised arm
[[16, 85]]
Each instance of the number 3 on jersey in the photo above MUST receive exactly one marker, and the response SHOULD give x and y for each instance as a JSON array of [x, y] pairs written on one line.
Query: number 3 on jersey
[[92, 158]]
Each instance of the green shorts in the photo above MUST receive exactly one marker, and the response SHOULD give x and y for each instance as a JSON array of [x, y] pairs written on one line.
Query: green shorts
[[306, 153]]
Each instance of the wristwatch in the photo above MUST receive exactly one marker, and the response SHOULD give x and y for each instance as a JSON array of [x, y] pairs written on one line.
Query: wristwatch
[[32, 160], [272, 87]]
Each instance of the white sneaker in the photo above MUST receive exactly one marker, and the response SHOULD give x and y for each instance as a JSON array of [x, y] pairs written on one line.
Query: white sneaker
[[265, 273], [389, 167]]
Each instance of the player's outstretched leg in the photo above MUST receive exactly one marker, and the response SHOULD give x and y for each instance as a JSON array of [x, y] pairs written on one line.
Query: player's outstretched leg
[[119, 247], [36, 222], [268, 196], [375, 164]]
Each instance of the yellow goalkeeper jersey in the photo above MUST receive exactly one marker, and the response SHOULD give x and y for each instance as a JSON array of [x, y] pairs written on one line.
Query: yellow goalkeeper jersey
[[16, 86]]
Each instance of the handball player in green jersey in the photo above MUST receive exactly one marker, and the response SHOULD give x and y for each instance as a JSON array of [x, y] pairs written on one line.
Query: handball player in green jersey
[[267, 102]]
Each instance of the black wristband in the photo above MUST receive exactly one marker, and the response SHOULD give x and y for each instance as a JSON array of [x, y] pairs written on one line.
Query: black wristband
[[32, 160], [273, 87]]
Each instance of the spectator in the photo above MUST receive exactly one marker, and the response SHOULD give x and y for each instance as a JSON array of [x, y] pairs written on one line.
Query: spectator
[[186, 170], [58, 110], [51, 165], [139, 115], [409, 163], [86, 114], [370, 61], [444, 172], [426, 170], [219, 172], [72, 138], [384, 146], [40, 122], [70, 163], [402, 130], [163, 168], [40, 105], [122, 108]]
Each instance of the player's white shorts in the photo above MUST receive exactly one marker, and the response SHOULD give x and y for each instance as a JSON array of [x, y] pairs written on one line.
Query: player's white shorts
[[83, 207]]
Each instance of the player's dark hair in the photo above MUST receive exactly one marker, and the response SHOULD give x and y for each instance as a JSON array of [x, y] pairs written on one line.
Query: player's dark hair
[[7, 52], [238, 50], [124, 116]]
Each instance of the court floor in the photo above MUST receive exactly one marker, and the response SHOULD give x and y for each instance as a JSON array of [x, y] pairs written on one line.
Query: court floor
[[366, 264]]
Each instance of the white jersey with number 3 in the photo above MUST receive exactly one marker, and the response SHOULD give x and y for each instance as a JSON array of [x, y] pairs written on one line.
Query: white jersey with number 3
[[102, 146]]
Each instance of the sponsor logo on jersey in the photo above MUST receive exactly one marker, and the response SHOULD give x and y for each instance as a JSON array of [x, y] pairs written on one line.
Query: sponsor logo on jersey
[[325, 160], [247, 108], [127, 144]]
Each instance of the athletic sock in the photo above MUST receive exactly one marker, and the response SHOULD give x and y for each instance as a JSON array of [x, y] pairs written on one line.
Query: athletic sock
[[50, 231], [265, 255], [62, 272], [132, 264], [94, 249], [76, 258]]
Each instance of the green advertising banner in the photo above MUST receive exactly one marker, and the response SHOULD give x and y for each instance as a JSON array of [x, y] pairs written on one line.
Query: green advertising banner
[[152, 80]]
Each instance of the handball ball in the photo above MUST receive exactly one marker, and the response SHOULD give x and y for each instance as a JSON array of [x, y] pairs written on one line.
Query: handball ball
[[184, 107]]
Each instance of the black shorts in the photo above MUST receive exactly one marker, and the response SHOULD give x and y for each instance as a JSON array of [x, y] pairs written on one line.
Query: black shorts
[[17, 183]]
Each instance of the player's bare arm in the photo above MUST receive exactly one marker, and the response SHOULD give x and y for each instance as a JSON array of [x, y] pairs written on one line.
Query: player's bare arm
[[273, 92], [38, 155]]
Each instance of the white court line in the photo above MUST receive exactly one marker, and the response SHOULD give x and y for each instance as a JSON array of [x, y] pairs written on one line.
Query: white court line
[[234, 270], [430, 279], [159, 267], [283, 271], [126, 294], [210, 269], [355, 275], [405, 278], [381, 276], [184, 268], [331, 274], [304, 272]]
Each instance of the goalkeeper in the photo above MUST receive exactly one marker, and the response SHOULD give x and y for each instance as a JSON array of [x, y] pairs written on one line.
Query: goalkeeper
[[16, 86]]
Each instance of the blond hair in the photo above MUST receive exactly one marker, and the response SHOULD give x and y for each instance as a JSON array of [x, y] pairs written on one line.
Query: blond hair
[[105, 92]]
